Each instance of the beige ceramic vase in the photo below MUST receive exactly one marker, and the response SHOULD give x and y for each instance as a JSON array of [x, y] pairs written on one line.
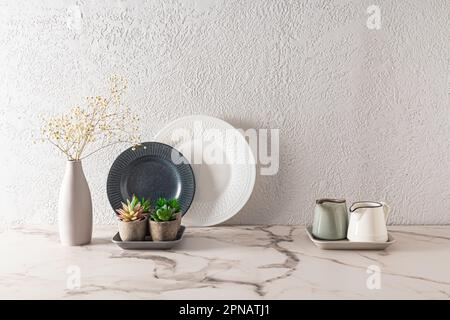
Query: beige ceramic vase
[[75, 207]]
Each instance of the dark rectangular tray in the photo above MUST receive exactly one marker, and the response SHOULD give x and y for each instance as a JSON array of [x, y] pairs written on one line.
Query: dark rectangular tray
[[148, 243]]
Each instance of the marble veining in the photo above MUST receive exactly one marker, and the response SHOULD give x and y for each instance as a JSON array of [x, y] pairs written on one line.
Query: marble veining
[[239, 262]]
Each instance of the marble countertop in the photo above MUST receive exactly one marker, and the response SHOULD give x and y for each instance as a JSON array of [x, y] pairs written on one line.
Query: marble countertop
[[239, 262]]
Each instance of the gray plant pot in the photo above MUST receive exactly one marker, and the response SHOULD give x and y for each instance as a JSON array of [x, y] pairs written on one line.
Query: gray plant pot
[[133, 231], [165, 231]]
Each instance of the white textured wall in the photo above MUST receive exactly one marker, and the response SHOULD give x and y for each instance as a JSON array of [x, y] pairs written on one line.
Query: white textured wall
[[363, 114]]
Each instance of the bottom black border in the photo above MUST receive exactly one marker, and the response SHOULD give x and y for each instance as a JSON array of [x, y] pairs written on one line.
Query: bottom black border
[[221, 309]]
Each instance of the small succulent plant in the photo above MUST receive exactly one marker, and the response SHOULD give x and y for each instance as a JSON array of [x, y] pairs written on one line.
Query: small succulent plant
[[145, 204], [163, 214], [171, 203], [166, 210], [131, 211]]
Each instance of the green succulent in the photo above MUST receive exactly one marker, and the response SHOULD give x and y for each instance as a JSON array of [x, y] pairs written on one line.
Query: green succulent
[[174, 204], [145, 203], [165, 213], [161, 202], [171, 204]]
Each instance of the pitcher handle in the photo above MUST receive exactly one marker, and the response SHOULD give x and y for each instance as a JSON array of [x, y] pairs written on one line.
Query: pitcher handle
[[386, 209]]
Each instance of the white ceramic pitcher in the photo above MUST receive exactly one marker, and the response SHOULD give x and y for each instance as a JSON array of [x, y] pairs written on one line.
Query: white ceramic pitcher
[[368, 221]]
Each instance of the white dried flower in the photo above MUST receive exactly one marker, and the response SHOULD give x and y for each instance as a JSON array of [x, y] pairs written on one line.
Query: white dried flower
[[104, 121]]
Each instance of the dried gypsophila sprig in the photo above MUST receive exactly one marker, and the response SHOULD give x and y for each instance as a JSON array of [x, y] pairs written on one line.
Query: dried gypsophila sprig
[[103, 123]]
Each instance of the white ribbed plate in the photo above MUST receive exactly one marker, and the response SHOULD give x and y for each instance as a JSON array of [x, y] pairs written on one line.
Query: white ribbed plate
[[221, 189]]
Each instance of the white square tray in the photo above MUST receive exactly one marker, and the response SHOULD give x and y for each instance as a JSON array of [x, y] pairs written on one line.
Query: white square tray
[[348, 245]]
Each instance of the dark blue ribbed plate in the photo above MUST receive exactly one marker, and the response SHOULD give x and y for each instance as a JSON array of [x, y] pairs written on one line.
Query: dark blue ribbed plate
[[158, 170]]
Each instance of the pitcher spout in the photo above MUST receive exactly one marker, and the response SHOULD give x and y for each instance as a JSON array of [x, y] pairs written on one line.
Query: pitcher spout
[[323, 200], [364, 205]]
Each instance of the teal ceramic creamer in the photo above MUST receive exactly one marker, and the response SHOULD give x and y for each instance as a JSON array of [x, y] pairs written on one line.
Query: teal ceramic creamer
[[330, 219]]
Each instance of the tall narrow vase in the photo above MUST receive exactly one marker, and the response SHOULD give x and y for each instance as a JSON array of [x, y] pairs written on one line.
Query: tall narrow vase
[[75, 207]]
